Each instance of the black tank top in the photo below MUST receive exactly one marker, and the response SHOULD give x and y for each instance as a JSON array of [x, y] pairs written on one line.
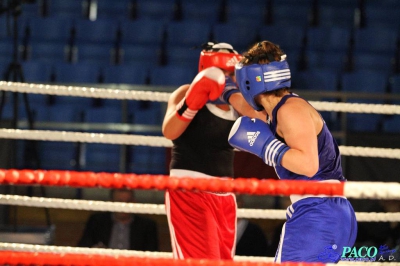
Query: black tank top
[[204, 147]]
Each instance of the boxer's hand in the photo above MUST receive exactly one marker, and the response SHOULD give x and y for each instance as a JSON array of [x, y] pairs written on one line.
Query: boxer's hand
[[229, 89], [207, 85], [255, 136]]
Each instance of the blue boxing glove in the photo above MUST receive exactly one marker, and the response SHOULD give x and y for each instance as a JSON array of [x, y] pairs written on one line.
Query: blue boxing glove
[[254, 136]]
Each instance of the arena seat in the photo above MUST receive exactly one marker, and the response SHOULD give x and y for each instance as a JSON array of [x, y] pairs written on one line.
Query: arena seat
[[48, 51], [187, 33], [198, 10], [364, 81], [171, 75], [36, 71], [100, 54], [370, 39], [76, 73], [145, 31], [100, 31], [162, 10], [126, 74], [143, 54]]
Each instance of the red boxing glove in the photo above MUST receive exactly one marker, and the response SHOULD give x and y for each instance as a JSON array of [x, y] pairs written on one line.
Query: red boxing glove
[[207, 85]]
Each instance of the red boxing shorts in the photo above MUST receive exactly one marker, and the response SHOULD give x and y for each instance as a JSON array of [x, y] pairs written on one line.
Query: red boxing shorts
[[202, 224]]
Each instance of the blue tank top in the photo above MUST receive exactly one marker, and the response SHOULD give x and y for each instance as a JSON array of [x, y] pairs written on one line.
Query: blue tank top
[[330, 167]]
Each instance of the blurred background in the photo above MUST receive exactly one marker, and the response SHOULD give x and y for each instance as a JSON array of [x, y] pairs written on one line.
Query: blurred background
[[341, 51]]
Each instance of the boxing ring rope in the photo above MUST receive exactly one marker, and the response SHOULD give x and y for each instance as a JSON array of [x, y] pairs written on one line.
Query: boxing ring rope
[[93, 92], [155, 141], [14, 254], [159, 209]]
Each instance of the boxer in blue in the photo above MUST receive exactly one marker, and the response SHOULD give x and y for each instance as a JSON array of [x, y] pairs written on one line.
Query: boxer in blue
[[298, 144]]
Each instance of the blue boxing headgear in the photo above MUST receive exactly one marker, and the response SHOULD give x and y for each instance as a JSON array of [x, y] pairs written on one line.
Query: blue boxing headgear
[[256, 79]]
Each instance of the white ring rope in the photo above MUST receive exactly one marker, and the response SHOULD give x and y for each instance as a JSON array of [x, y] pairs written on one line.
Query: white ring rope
[[159, 209], [89, 92], [145, 254], [163, 97], [108, 252], [156, 141], [356, 107]]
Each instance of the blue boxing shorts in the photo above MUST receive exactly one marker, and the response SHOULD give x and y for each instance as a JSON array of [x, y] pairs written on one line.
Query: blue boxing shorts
[[316, 230]]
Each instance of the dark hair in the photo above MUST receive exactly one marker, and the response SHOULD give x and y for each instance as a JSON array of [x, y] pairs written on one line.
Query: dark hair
[[262, 53]]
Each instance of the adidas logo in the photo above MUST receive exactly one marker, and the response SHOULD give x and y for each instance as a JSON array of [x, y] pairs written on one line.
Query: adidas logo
[[232, 61], [252, 136]]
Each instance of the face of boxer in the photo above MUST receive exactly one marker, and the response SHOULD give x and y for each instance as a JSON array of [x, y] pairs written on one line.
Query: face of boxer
[[122, 196]]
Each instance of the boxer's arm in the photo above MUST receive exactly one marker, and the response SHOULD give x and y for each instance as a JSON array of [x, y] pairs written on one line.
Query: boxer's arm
[[243, 108], [172, 126], [185, 102]]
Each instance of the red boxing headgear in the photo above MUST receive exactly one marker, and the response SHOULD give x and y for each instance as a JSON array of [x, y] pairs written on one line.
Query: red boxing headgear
[[219, 55]]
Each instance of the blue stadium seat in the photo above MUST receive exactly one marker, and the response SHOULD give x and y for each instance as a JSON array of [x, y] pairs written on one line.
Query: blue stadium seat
[[146, 112], [370, 40], [100, 54], [103, 115], [187, 33], [102, 157], [242, 13], [162, 10], [183, 56], [146, 55], [76, 73], [364, 122], [288, 37], [31, 9], [6, 50], [238, 35], [392, 124], [147, 160], [333, 15], [126, 74], [69, 9], [364, 81], [3, 30], [142, 31], [372, 61], [80, 104], [394, 82], [100, 31], [48, 51], [62, 113], [379, 14], [49, 29], [198, 10], [171, 75], [334, 61], [55, 155], [36, 71], [318, 80], [113, 9], [328, 39], [292, 12], [352, 4]]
